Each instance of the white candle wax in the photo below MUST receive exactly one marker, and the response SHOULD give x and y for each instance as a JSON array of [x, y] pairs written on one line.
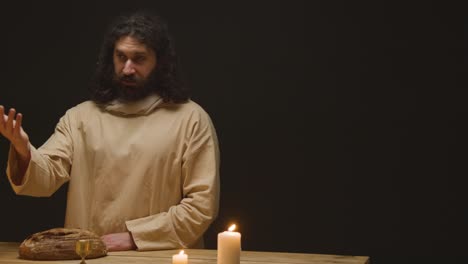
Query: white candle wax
[[229, 247], [180, 258]]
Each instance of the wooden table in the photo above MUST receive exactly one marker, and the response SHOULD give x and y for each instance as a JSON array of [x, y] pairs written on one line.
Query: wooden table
[[9, 254]]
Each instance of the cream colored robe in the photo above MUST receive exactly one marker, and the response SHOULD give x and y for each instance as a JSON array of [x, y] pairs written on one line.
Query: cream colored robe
[[149, 167]]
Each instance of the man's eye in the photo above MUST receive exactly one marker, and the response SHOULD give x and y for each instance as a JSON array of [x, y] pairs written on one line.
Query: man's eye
[[121, 57], [139, 59]]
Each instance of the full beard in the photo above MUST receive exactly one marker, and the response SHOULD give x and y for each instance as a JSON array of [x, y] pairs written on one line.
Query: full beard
[[139, 88]]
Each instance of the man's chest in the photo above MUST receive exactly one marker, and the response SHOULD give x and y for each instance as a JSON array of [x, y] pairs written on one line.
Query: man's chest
[[132, 139]]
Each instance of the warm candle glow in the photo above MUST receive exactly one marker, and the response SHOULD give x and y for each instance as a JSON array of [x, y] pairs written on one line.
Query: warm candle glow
[[229, 246], [180, 258]]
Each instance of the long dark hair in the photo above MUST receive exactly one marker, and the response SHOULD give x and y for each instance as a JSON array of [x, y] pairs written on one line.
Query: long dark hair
[[152, 31]]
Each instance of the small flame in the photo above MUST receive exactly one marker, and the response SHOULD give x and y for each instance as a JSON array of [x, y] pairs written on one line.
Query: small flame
[[181, 252], [231, 228]]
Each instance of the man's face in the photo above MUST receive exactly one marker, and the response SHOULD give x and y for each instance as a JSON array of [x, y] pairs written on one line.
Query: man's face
[[134, 62]]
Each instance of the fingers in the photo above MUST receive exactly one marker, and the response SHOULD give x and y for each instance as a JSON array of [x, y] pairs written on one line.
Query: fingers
[[2, 117], [2, 114], [9, 123], [19, 121]]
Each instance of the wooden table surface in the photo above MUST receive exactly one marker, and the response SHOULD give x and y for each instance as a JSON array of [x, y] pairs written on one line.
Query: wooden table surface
[[9, 254]]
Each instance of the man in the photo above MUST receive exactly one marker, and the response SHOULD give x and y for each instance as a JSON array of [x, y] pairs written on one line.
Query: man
[[141, 158]]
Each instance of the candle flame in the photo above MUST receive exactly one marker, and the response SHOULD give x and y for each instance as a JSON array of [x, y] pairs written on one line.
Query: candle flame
[[181, 252], [231, 228]]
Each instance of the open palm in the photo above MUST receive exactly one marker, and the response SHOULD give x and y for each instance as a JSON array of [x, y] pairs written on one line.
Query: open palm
[[10, 127]]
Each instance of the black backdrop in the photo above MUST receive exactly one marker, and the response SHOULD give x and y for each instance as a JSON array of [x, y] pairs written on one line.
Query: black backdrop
[[341, 124]]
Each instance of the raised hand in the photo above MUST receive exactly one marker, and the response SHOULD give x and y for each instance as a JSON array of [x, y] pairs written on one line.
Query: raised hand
[[10, 127]]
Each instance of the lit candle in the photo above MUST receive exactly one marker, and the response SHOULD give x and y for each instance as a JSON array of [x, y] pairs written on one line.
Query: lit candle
[[180, 258], [229, 246]]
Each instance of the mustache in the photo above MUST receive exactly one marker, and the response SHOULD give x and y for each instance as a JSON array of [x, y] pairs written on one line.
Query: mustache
[[128, 78]]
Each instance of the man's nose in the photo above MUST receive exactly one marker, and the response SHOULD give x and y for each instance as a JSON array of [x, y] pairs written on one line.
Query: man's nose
[[129, 68]]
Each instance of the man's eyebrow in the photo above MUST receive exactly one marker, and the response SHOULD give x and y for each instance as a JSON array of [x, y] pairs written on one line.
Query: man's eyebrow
[[141, 53]]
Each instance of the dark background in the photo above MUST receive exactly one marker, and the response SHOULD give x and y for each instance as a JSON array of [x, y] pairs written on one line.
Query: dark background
[[341, 123]]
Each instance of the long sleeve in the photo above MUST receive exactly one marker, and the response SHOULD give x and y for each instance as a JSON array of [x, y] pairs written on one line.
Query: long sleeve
[[49, 166], [155, 174], [183, 224]]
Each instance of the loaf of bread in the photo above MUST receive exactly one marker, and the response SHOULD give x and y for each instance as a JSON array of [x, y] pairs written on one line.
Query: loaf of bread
[[59, 244]]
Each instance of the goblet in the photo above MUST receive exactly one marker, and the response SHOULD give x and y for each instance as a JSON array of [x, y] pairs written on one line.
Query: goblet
[[82, 248]]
